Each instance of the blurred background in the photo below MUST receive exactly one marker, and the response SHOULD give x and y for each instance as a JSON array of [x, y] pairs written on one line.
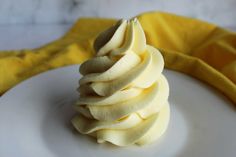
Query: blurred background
[[31, 23]]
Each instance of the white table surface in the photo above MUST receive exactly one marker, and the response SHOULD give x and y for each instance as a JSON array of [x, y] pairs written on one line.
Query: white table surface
[[32, 36], [29, 36]]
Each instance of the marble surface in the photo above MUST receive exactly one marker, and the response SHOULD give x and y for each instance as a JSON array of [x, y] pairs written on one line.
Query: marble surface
[[29, 36], [32, 23], [221, 12]]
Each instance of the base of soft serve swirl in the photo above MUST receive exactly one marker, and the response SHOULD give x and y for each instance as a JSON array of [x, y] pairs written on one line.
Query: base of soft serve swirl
[[123, 93]]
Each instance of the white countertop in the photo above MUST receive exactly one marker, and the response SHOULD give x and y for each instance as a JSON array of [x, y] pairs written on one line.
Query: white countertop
[[31, 23], [29, 36], [67, 11], [32, 36]]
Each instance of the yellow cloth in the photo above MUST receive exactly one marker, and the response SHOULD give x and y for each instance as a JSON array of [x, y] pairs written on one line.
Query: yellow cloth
[[196, 48]]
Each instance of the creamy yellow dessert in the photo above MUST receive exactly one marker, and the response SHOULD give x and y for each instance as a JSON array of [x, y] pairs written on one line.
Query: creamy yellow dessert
[[123, 93]]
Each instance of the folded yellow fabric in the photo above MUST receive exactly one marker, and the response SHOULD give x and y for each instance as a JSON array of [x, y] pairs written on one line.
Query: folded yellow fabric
[[197, 48]]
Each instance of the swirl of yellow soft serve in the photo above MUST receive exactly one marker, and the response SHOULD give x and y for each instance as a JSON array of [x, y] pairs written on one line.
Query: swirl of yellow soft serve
[[123, 93]]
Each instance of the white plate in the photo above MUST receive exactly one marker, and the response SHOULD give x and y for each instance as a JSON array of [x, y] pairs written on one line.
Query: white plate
[[35, 121]]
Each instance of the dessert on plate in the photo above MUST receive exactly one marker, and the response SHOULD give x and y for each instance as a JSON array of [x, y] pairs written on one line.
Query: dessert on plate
[[123, 93]]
